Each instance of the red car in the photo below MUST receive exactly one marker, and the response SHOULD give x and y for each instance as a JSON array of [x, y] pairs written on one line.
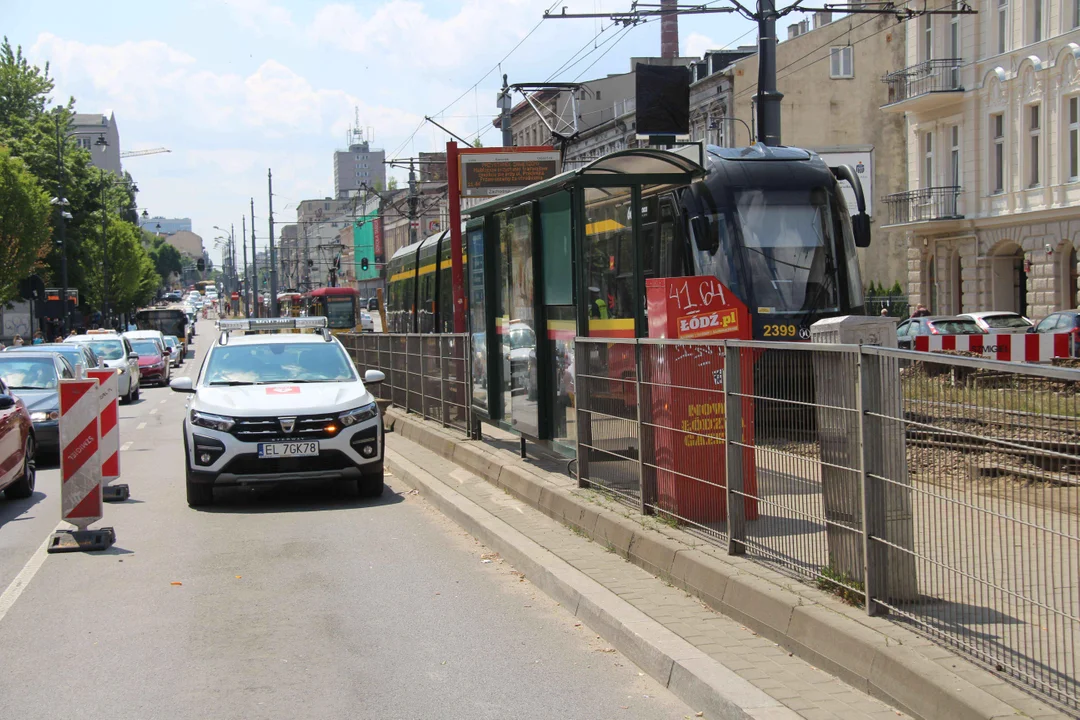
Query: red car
[[18, 468], [153, 362]]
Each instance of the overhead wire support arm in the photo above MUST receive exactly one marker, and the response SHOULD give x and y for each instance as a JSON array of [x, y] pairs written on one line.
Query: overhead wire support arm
[[449, 132]]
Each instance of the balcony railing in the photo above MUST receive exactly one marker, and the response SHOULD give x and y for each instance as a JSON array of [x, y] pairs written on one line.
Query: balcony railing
[[923, 205], [932, 76]]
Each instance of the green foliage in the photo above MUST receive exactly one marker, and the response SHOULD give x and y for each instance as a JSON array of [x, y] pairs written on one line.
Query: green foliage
[[845, 587], [133, 280], [23, 87], [24, 223], [166, 258]]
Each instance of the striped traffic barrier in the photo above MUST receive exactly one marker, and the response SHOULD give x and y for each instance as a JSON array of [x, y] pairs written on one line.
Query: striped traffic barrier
[[1029, 347], [109, 425], [80, 469]]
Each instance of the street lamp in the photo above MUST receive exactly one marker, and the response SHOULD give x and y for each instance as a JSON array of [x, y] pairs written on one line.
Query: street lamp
[[61, 202]]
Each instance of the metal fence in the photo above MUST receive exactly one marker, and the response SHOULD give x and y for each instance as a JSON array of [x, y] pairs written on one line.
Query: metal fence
[[425, 374], [943, 490], [923, 205], [939, 75]]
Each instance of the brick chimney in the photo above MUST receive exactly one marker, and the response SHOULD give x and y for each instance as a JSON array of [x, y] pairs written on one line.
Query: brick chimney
[[669, 29]]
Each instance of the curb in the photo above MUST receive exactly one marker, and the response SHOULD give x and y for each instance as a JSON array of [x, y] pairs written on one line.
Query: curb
[[873, 654], [701, 682]]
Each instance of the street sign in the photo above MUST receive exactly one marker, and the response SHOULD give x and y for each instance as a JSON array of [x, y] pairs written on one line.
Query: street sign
[[490, 174], [80, 468]]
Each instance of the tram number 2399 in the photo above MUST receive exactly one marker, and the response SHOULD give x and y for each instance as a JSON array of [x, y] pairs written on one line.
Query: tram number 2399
[[785, 331]]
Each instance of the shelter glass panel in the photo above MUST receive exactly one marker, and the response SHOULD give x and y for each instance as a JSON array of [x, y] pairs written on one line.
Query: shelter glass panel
[[609, 261], [520, 338], [477, 317], [503, 276], [556, 248], [561, 329]]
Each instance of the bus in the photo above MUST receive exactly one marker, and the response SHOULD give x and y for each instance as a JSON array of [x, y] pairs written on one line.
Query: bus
[[339, 305], [204, 286], [290, 304]]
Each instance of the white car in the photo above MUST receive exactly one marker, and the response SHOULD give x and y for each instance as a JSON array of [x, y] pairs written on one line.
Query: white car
[[366, 323], [277, 407], [1000, 321], [116, 352]]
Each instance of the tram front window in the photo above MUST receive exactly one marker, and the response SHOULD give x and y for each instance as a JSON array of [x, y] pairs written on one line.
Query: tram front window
[[787, 236], [340, 313]]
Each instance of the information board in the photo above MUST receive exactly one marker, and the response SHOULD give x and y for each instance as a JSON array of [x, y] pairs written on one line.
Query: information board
[[491, 174]]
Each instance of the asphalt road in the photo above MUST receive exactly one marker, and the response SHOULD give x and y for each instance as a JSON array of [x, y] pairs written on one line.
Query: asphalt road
[[295, 602]]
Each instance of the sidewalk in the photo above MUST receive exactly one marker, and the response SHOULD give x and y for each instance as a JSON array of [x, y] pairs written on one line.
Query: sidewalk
[[723, 666]]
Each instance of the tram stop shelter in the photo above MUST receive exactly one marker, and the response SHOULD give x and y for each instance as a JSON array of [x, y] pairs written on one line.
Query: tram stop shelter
[[562, 258]]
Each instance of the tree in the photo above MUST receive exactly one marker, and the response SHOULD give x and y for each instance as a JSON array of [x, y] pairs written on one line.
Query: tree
[[166, 258], [23, 87], [24, 223], [133, 280], [391, 184]]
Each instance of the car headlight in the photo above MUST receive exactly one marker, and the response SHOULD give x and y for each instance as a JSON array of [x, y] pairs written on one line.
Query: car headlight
[[41, 416], [214, 422], [359, 415]]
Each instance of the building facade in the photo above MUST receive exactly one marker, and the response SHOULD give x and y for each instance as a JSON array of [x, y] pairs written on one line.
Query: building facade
[[165, 226], [89, 129], [992, 106], [188, 243], [361, 166]]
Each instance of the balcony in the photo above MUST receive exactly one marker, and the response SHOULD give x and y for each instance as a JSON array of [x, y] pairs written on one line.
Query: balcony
[[927, 86], [924, 205]]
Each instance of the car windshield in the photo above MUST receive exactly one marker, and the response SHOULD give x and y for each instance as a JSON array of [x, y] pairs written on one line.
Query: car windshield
[[957, 326], [788, 240], [1005, 322], [108, 349], [170, 341], [145, 347], [522, 338], [29, 373], [278, 363]]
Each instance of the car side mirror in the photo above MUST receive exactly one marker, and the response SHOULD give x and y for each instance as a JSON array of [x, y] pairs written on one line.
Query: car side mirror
[[374, 377], [182, 385], [860, 228], [168, 351], [1031, 329], [6, 402], [133, 356]]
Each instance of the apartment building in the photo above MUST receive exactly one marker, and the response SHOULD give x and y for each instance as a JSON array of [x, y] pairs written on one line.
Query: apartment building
[[992, 108]]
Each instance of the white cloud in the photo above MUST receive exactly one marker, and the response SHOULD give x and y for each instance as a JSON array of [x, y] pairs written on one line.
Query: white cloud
[[261, 16], [403, 32], [696, 44]]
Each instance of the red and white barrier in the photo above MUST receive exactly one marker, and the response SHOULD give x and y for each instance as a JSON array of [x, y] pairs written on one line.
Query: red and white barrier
[[80, 469], [108, 423], [1028, 347]]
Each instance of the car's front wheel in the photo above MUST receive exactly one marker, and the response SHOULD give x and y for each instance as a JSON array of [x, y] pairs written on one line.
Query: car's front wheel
[[198, 494], [371, 483], [24, 486], [129, 397]]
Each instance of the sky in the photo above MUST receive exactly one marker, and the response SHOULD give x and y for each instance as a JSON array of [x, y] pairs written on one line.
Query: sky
[[234, 88]]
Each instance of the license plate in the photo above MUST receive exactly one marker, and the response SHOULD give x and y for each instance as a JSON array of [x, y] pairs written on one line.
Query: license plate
[[288, 449]]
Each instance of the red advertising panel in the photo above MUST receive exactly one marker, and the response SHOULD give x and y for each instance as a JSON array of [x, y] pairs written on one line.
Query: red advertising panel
[[687, 395], [377, 229]]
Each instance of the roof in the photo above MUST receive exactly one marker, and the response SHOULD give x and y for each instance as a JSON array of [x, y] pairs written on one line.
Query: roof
[[647, 165], [990, 313], [92, 338], [320, 292]]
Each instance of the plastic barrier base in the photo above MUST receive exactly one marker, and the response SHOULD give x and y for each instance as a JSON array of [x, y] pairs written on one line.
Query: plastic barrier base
[[82, 540], [115, 493]]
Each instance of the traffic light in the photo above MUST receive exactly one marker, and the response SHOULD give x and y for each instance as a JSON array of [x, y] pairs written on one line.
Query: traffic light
[[200, 264], [364, 264]]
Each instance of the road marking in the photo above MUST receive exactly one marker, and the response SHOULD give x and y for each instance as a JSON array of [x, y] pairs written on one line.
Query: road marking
[[141, 426], [153, 411], [162, 402], [126, 446], [15, 589]]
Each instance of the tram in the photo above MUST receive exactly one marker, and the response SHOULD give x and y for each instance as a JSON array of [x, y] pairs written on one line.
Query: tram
[[339, 305], [290, 304], [420, 296]]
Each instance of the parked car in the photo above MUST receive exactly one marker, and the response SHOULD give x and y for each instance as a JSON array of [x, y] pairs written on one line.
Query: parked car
[[366, 323], [76, 354], [1000, 322], [373, 303], [18, 448], [909, 329], [117, 353], [1064, 321], [35, 380]]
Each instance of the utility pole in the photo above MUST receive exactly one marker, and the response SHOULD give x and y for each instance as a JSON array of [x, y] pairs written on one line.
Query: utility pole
[[62, 203], [768, 97], [414, 200], [305, 271], [243, 254], [104, 256], [273, 252], [254, 265]]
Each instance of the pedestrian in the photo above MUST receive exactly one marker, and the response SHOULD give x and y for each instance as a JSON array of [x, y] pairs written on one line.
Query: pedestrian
[[17, 341], [39, 339], [884, 312], [920, 311]]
